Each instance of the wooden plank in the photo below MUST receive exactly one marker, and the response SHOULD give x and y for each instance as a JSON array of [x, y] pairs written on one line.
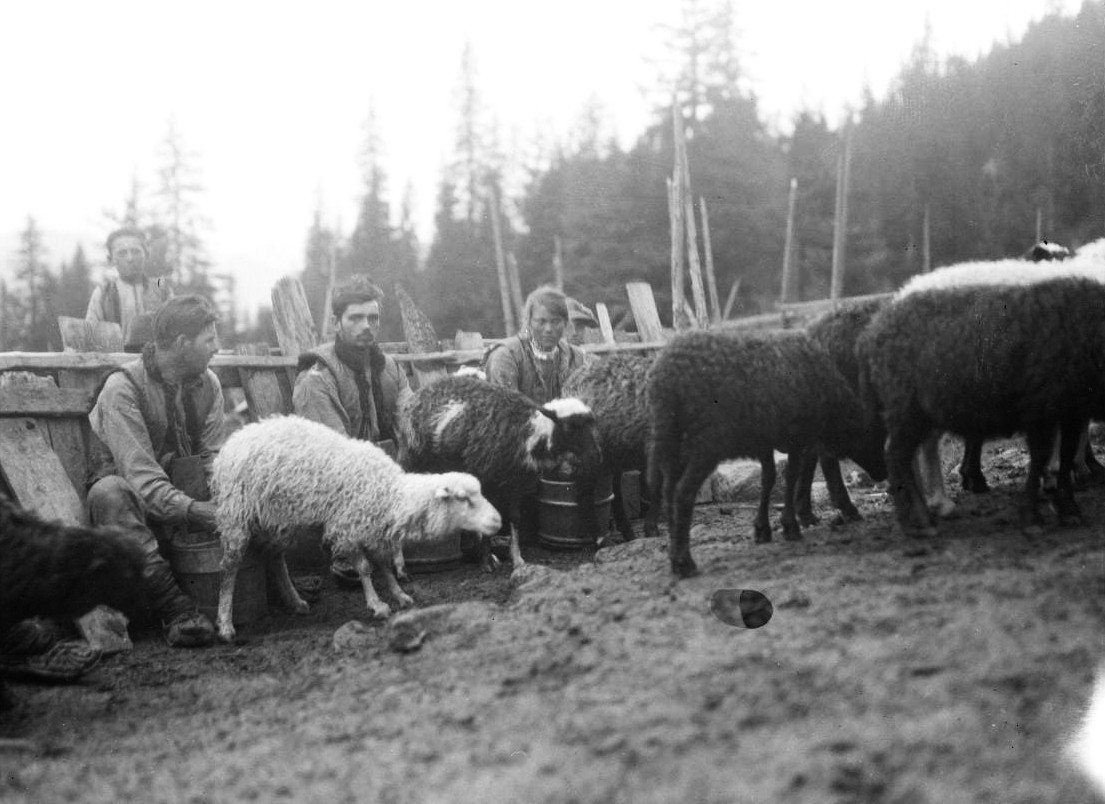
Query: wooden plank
[[291, 317], [643, 306], [417, 327], [49, 401], [34, 472], [708, 250], [66, 435], [80, 335], [605, 327], [265, 394]]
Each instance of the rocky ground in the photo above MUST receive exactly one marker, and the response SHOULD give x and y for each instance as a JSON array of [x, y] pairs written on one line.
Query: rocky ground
[[950, 670]]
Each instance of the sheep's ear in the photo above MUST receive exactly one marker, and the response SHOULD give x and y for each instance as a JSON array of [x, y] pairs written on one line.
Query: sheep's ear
[[550, 414], [443, 493]]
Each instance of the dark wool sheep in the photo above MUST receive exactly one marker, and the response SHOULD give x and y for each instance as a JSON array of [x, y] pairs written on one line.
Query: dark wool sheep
[[984, 362], [48, 569], [614, 389], [719, 395], [464, 424], [837, 331]]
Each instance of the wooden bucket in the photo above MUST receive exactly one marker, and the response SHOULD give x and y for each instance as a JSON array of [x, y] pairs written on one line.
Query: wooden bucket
[[433, 556], [196, 567], [559, 524]]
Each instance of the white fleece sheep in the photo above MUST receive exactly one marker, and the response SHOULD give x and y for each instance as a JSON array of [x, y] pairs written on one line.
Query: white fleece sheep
[[273, 478]]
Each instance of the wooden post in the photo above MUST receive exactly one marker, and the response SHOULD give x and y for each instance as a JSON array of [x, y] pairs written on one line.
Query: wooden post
[[604, 323], [515, 284], [421, 338], [732, 298], [643, 305], [500, 266], [675, 215], [698, 293], [926, 244], [840, 224], [291, 317], [326, 323], [558, 263], [675, 218], [711, 279], [786, 293], [1039, 224]]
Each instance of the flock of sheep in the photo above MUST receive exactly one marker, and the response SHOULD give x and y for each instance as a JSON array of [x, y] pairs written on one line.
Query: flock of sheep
[[982, 350]]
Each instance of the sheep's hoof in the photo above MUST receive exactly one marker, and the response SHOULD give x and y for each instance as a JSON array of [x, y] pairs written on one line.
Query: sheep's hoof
[[405, 601], [379, 611], [851, 514], [761, 534], [684, 567], [792, 532], [227, 634], [491, 563], [808, 520], [301, 607]]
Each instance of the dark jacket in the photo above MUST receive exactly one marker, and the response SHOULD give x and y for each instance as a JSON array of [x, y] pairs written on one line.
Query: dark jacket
[[512, 364], [144, 423], [326, 392]]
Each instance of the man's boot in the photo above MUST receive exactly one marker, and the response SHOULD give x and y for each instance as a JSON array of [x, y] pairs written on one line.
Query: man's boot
[[181, 621]]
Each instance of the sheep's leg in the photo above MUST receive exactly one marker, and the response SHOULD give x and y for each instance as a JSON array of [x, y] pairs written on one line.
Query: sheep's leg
[[838, 491], [803, 503], [405, 601], [686, 490], [376, 607], [652, 509], [278, 569], [617, 508], [929, 473], [234, 546], [400, 563], [909, 502], [761, 532], [1070, 443], [515, 550], [1087, 470], [970, 469], [792, 532], [1040, 444]]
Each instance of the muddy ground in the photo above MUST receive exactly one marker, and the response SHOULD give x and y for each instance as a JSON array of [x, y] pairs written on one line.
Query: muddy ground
[[950, 670]]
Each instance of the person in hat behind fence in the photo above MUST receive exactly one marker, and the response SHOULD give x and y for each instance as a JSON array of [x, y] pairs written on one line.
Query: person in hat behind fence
[[129, 294], [350, 385]]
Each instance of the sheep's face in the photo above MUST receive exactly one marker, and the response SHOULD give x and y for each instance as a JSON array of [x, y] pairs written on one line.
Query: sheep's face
[[462, 506], [572, 438]]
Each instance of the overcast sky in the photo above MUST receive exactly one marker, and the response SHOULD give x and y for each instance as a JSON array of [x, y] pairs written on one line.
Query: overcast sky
[[272, 97]]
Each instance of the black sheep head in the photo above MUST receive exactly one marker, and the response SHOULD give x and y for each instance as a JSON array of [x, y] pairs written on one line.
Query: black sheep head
[[574, 440]]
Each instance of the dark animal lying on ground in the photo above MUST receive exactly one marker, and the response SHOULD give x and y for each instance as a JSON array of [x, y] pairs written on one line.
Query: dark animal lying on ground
[[48, 569], [718, 395], [985, 362], [614, 389], [467, 425]]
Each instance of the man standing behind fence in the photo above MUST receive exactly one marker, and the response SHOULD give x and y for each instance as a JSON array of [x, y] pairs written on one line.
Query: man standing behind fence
[[123, 298], [350, 385]]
